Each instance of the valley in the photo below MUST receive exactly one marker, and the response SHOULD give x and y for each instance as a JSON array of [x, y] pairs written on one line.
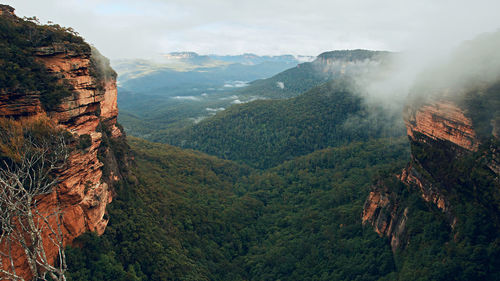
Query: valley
[[169, 98], [245, 167], [179, 89]]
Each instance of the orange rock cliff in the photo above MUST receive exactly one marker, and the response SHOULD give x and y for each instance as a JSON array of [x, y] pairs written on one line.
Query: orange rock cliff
[[442, 126], [85, 187]]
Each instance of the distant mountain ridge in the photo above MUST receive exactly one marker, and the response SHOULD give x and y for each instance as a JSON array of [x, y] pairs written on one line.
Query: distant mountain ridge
[[327, 66], [266, 133], [185, 96], [146, 75], [246, 58], [249, 58]]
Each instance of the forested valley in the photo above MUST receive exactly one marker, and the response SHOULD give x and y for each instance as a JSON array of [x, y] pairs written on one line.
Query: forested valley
[[297, 176]]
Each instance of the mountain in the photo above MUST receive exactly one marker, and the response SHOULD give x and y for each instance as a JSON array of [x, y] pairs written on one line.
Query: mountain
[[150, 90], [265, 133], [252, 59], [147, 112], [325, 67], [332, 198], [171, 71], [54, 83]]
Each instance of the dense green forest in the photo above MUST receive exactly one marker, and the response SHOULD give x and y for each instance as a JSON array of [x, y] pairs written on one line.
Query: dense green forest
[[307, 75], [281, 195], [265, 133], [170, 93], [183, 215], [184, 97]]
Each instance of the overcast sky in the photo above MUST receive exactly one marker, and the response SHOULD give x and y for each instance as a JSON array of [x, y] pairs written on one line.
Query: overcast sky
[[143, 29]]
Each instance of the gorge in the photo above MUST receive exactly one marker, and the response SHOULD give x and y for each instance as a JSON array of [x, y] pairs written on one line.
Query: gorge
[[315, 183]]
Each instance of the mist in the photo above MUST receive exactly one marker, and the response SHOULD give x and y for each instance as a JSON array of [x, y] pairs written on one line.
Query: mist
[[429, 73], [143, 29]]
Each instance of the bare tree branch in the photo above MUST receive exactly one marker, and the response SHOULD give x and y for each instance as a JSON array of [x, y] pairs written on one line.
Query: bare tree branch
[[23, 225]]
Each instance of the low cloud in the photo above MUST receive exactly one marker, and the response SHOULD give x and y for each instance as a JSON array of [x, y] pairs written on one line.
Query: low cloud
[[233, 97], [214, 109], [235, 84], [253, 98], [429, 73], [192, 98], [198, 119]]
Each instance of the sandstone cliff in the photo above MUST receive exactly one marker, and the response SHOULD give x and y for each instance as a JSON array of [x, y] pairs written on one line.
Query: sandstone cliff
[[443, 137], [90, 111]]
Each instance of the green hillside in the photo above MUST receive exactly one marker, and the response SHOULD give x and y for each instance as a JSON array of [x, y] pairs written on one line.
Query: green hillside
[[184, 215], [265, 133], [307, 75], [163, 98]]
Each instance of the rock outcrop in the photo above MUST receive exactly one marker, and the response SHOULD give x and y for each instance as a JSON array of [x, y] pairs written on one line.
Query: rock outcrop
[[91, 110], [441, 134], [441, 121], [383, 211]]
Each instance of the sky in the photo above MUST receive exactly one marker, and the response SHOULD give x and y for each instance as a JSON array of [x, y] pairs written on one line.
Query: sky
[[147, 28]]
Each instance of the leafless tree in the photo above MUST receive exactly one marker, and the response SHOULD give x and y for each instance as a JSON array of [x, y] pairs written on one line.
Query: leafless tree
[[26, 228]]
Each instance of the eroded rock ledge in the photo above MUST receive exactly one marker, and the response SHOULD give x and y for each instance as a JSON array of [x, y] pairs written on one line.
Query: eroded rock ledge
[[441, 126], [84, 191]]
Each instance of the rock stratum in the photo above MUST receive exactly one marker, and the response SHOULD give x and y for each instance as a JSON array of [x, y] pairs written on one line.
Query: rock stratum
[[442, 135], [85, 185], [453, 120]]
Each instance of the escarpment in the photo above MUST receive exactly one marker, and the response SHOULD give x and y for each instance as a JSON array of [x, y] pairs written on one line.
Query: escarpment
[[88, 112], [441, 121], [447, 150], [452, 119]]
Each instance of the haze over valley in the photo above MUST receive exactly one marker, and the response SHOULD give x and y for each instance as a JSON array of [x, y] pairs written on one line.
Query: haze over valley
[[257, 140]]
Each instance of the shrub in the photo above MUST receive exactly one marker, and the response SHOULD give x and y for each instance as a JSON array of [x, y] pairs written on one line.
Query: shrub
[[85, 141]]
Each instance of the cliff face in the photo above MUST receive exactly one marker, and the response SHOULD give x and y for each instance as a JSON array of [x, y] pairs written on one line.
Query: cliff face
[[383, 211], [82, 188], [91, 109], [441, 121], [441, 134]]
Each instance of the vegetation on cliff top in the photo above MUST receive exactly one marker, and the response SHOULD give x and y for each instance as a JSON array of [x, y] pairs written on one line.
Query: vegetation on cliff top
[[19, 70], [432, 249]]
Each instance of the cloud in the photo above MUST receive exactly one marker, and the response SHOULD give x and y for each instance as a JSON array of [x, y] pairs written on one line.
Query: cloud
[[193, 98], [429, 73], [197, 120], [253, 98], [214, 109], [233, 97], [235, 84], [280, 85], [142, 29]]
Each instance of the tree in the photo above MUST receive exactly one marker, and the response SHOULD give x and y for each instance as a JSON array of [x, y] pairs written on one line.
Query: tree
[[27, 175]]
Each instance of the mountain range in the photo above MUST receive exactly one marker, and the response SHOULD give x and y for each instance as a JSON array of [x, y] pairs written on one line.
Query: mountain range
[[319, 183], [182, 106]]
